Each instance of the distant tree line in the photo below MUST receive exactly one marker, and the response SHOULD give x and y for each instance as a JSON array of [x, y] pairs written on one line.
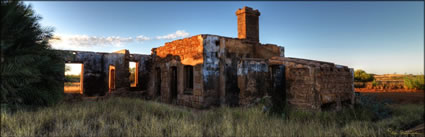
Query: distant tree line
[[410, 81], [72, 78]]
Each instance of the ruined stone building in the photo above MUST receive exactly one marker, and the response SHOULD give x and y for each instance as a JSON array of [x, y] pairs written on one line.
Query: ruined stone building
[[206, 70]]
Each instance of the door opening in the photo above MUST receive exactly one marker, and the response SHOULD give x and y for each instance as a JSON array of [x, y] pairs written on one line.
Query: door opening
[[73, 82], [158, 82], [111, 78], [173, 82], [134, 75], [278, 92]]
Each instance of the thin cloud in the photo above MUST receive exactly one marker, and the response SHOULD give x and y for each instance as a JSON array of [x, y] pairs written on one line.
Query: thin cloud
[[177, 34], [89, 41], [61, 41], [142, 38]]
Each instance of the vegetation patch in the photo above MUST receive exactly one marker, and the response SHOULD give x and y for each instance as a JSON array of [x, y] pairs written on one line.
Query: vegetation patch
[[136, 117], [414, 82]]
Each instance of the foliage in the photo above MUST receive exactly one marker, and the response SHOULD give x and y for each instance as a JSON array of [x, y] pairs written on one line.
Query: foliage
[[362, 76], [416, 82], [30, 71], [72, 78], [374, 84], [135, 117]]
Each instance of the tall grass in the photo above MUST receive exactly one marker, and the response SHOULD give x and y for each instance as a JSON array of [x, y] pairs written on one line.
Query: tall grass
[[135, 117]]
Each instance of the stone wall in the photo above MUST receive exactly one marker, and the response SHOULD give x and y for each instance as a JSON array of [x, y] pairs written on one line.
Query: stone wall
[[232, 54], [253, 80], [248, 49], [179, 53], [96, 69], [189, 50], [122, 74], [196, 99], [211, 70], [266, 51], [315, 84], [232, 50], [144, 70]]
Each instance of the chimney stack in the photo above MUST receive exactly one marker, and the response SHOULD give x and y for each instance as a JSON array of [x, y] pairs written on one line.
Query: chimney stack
[[248, 24]]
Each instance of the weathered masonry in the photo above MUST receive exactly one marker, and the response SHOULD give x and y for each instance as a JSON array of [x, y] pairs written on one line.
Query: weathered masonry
[[206, 70], [107, 72]]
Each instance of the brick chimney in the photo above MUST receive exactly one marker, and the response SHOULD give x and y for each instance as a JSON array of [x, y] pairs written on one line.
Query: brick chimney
[[248, 24]]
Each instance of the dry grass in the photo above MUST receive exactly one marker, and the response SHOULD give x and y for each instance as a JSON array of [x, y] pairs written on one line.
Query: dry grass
[[135, 117], [72, 87]]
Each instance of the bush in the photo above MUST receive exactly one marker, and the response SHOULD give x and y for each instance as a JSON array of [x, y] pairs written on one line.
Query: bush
[[416, 82], [362, 76], [374, 84], [31, 73]]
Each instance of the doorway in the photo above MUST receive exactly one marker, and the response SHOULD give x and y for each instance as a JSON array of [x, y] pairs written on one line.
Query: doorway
[[278, 92], [134, 73], [111, 78], [158, 81], [173, 84], [74, 73]]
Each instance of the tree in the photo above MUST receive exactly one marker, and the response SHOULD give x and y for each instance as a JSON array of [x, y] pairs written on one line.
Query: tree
[[362, 76], [30, 70]]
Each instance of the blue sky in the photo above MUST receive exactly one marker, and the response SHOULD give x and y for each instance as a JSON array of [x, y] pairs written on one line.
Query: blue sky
[[379, 37]]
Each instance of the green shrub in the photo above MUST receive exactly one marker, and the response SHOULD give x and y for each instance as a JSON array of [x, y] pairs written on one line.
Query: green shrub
[[362, 76], [416, 82], [374, 84]]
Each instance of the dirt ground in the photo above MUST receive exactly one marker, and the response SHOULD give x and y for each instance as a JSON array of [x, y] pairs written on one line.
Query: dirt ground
[[387, 90], [399, 97]]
